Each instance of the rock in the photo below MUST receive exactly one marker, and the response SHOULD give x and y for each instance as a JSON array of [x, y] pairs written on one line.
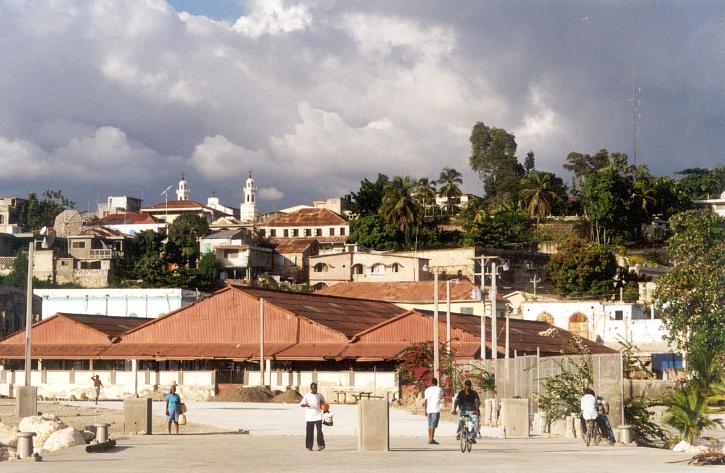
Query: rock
[[68, 437], [681, 447], [43, 426], [7, 453], [88, 436], [8, 436], [697, 450]]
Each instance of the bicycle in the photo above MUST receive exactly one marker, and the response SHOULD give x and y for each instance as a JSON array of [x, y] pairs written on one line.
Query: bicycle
[[594, 433], [465, 433]]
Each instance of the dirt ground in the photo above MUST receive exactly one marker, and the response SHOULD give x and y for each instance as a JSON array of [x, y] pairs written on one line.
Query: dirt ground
[[79, 417], [258, 394]]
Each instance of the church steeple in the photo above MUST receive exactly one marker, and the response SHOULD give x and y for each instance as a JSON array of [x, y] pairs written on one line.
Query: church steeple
[[248, 209], [182, 192]]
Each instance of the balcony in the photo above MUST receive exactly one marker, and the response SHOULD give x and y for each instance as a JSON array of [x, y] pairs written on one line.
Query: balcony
[[100, 254]]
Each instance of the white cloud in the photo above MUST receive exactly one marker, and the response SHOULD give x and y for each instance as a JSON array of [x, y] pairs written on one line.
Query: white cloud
[[270, 193], [217, 158], [271, 17]]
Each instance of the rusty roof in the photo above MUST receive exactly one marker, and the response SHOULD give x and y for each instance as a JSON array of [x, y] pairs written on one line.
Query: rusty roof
[[285, 246], [306, 218], [129, 218], [110, 325], [402, 291], [348, 316], [178, 204]]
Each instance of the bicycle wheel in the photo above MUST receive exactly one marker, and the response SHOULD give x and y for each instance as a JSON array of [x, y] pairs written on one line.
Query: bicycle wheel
[[588, 435], [597, 434], [469, 444], [464, 439]]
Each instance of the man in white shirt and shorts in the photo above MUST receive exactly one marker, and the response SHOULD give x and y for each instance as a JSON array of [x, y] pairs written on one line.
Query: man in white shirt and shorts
[[433, 397], [313, 417]]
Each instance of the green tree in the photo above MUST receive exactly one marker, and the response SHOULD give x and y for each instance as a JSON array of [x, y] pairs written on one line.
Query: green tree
[[505, 227], [368, 199], [691, 295], [425, 192], [699, 183], [372, 232], [686, 412], [582, 165], [18, 275], [493, 157], [529, 162], [669, 198], [398, 207], [206, 271], [538, 194], [42, 212], [450, 181], [185, 232], [582, 268]]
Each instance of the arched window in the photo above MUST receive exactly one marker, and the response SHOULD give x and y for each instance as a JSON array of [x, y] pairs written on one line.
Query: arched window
[[321, 268], [546, 317], [357, 269], [395, 267], [378, 269], [579, 324], [319, 285]]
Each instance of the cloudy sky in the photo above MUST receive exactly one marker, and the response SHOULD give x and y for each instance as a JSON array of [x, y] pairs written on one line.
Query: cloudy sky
[[115, 97]]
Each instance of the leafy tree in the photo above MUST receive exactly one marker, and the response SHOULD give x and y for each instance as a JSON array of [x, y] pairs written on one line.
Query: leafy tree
[[206, 270], [691, 295], [18, 275], [493, 157], [582, 268], [529, 162], [372, 232], [505, 227], [582, 165], [450, 181], [398, 207], [424, 192], [699, 183], [669, 198], [686, 412], [184, 233], [539, 194], [368, 199], [42, 212]]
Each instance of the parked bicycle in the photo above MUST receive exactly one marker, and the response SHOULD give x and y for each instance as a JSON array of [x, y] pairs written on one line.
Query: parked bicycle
[[593, 434]]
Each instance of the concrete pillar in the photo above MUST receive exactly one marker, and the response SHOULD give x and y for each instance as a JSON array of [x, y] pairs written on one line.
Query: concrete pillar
[[26, 401], [113, 377], [373, 425], [134, 370], [90, 365], [25, 444], [101, 432]]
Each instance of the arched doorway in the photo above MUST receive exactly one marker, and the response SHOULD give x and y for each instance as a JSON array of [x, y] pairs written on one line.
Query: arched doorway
[[579, 324], [546, 317]]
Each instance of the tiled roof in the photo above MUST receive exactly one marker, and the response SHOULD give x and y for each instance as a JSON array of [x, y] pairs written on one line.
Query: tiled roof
[[285, 246], [307, 218], [178, 204], [402, 291], [348, 316], [128, 218]]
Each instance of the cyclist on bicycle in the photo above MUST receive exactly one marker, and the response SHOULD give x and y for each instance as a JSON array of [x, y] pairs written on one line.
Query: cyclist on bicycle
[[468, 402], [604, 426], [588, 406]]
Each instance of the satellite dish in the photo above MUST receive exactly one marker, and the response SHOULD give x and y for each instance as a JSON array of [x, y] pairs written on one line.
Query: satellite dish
[[68, 223], [44, 231]]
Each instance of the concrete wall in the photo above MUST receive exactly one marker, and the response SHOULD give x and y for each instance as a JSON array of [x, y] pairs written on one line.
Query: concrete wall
[[449, 260], [380, 383], [467, 307], [335, 268]]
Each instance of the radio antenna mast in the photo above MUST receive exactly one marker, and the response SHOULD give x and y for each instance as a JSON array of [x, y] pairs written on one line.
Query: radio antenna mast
[[636, 89]]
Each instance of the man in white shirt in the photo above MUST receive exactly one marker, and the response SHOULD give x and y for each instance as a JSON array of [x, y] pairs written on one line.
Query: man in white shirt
[[311, 402], [588, 406], [433, 397]]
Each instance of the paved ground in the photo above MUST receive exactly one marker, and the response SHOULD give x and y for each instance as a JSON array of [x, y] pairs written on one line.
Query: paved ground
[[236, 453], [287, 419]]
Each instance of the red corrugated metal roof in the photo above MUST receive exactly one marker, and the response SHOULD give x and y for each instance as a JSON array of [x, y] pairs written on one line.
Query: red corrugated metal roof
[[402, 291], [178, 204], [66, 351], [191, 351], [285, 246]]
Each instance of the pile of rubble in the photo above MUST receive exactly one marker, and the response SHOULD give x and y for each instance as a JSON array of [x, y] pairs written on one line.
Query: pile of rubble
[[702, 454], [51, 434]]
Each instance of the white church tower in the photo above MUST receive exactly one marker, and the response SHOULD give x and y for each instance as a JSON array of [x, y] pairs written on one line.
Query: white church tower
[[182, 192], [248, 209]]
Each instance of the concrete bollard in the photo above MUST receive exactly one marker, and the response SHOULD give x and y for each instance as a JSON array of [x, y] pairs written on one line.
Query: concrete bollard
[[25, 444], [101, 432], [626, 433]]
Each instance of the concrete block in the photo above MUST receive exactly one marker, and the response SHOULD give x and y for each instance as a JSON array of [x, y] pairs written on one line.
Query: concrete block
[[137, 415], [26, 401], [373, 425], [515, 417]]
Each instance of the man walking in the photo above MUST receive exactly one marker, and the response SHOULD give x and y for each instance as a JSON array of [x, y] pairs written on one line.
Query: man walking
[[432, 403], [588, 406], [313, 417], [97, 385], [469, 404]]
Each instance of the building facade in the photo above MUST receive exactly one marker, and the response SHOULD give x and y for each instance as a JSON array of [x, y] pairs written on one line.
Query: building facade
[[12, 214], [327, 270]]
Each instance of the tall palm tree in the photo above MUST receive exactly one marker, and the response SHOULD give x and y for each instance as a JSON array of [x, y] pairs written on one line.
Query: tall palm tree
[[538, 194], [450, 181], [398, 206], [643, 195], [424, 192]]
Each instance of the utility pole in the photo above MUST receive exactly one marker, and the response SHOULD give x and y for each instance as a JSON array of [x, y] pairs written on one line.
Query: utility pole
[[29, 314], [494, 333], [436, 355], [448, 316], [535, 280], [261, 341]]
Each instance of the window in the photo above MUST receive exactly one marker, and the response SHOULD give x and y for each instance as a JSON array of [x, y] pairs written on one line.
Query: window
[[318, 232], [357, 269], [286, 233], [79, 244], [378, 269], [295, 233], [395, 267], [546, 317], [579, 325], [332, 232], [231, 254], [263, 232], [342, 231], [273, 233], [308, 232], [618, 315], [321, 268]]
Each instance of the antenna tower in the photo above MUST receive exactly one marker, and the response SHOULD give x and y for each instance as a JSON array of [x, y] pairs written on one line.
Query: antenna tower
[[636, 89]]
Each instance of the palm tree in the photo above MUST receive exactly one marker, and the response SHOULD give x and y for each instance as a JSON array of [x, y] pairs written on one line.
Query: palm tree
[[686, 412], [424, 192], [643, 195], [450, 181], [538, 194], [398, 207]]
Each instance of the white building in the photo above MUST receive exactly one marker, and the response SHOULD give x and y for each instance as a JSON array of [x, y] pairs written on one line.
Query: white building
[[214, 203], [605, 322], [117, 204], [182, 192], [148, 303], [248, 208], [717, 205], [130, 223], [236, 254]]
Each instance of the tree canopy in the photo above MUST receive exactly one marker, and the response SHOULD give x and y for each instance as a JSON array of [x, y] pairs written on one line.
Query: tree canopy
[[582, 268], [42, 212]]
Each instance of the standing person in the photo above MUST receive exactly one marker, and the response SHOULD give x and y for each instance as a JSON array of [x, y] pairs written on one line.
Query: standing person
[[173, 408], [432, 403], [313, 416], [588, 406], [604, 426], [469, 403], [97, 385]]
